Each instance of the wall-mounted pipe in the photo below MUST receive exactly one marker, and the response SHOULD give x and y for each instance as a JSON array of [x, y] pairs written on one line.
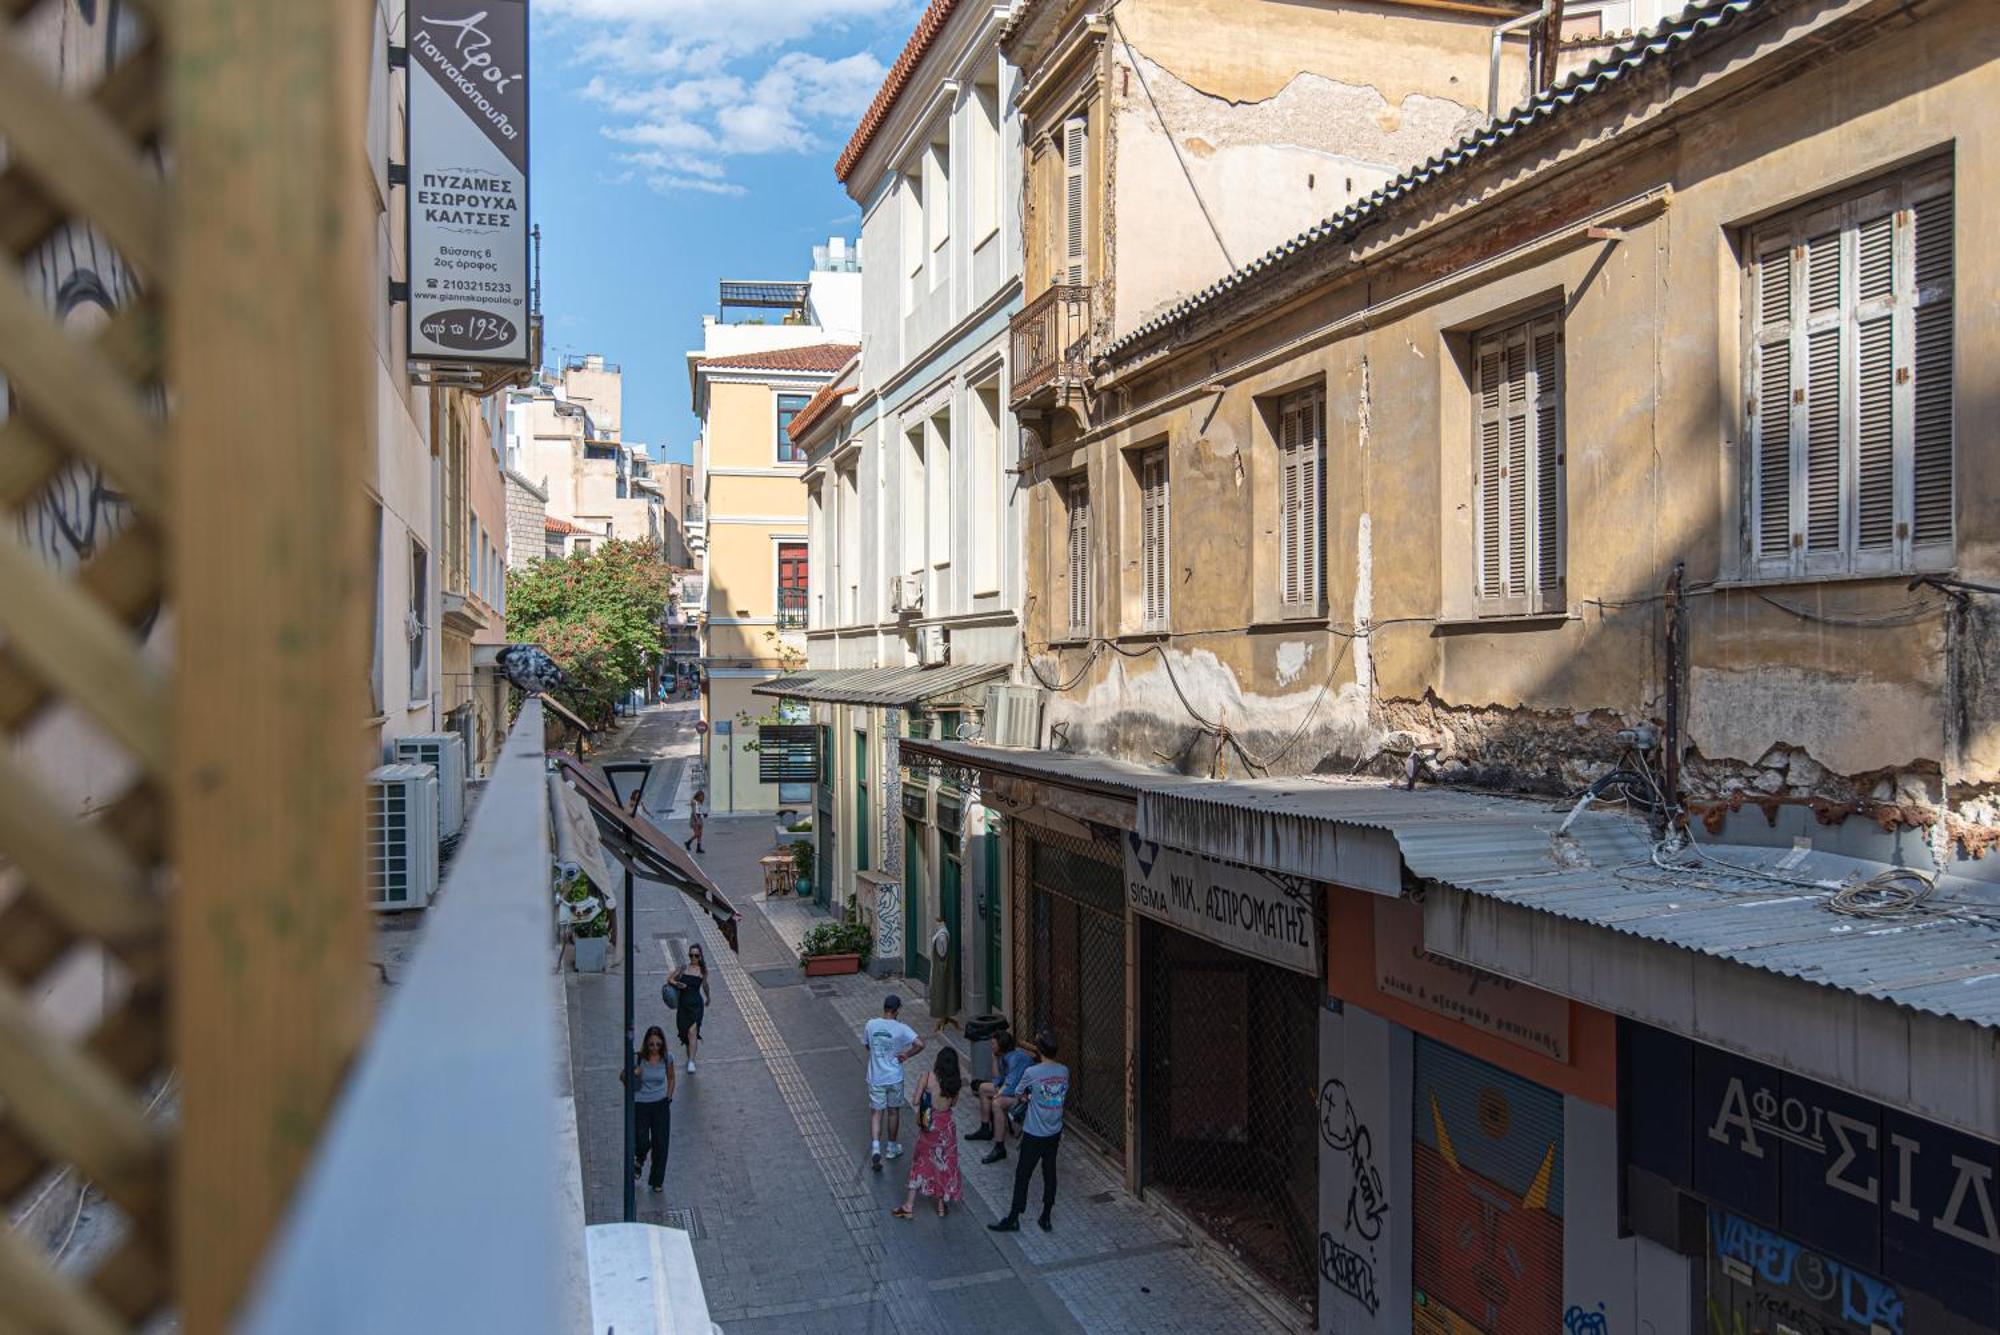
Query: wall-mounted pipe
[[1500, 33]]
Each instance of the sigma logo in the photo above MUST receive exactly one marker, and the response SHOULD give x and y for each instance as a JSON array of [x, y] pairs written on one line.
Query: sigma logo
[[471, 43]]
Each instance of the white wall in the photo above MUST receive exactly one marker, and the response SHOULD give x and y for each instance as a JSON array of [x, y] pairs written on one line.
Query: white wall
[[1365, 1173]]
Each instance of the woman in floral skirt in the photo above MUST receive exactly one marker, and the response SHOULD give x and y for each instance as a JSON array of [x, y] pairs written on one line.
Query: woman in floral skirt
[[934, 1162]]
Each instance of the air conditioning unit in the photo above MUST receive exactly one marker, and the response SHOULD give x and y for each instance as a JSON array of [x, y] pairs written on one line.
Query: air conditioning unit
[[445, 753], [1013, 717], [402, 837], [933, 649], [906, 594]]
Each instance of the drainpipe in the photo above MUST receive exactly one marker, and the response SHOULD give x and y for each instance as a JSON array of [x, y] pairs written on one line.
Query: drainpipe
[[1500, 33], [1676, 670]]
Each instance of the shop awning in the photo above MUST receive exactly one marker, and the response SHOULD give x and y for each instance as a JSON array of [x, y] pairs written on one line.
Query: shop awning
[[889, 687], [652, 852], [1711, 950]]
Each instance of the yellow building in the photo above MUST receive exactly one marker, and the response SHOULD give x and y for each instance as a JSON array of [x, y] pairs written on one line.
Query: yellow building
[[753, 540]]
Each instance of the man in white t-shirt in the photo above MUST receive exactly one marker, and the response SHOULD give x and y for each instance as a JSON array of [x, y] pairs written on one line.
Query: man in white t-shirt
[[890, 1043]]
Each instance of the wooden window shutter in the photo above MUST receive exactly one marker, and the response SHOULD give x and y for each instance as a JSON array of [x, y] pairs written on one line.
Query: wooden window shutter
[[1518, 484], [1079, 554], [1875, 386], [1301, 452], [1931, 394], [1770, 415], [1076, 144], [1819, 457], [1153, 537]]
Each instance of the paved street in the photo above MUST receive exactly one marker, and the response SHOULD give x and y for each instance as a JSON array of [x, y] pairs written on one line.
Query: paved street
[[769, 1170]]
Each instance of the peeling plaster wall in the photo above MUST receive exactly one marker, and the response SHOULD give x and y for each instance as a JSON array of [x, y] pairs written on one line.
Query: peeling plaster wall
[[1271, 117]]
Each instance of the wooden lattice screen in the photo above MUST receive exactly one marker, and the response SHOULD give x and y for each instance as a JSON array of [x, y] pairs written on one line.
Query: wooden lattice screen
[[183, 340]]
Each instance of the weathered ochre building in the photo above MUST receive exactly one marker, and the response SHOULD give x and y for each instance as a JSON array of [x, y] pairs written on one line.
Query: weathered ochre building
[[1495, 579]]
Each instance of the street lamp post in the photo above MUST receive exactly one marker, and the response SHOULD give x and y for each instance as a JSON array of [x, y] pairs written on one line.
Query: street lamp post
[[635, 774]]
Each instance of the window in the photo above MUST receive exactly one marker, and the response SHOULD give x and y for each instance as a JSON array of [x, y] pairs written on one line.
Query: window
[[1848, 374], [937, 194], [418, 622], [1078, 495], [1301, 518], [477, 552], [1153, 537], [912, 220], [914, 500], [937, 482], [861, 801], [1518, 491], [849, 537], [989, 508], [375, 603], [582, 547], [791, 585], [1076, 152], [788, 408], [985, 122]]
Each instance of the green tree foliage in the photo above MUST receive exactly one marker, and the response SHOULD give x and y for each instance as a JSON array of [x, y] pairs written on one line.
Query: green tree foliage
[[599, 615]]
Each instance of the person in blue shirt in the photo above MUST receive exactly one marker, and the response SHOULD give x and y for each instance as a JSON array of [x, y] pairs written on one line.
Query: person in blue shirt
[[1044, 1088], [995, 1100]]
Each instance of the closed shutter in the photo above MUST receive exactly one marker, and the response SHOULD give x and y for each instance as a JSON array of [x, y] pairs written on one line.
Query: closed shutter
[[1076, 144], [1518, 466], [1849, 363], [1079, 555], [1301, 451], [1153, 535], [1487, 1196]]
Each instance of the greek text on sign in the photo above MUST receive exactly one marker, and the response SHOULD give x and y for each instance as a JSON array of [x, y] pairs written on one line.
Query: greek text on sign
[[1264, 914], [468, 214], [1523, 1015]]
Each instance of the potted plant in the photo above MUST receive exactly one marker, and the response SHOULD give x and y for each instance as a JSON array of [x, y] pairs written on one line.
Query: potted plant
[[802, 858], [835, 947], [589, 923]]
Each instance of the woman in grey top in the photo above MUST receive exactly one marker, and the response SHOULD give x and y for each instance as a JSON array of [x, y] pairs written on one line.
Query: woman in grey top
[[653, 1100]]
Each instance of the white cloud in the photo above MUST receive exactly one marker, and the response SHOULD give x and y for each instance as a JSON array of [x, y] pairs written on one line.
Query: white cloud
[[686, 85]]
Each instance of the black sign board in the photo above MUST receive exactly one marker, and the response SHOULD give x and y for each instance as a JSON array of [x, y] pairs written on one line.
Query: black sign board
[[1877, 1187], [787, 753]]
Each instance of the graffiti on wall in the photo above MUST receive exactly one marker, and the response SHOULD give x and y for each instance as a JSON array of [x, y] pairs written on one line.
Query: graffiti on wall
[[1349, 1271], [1786, 1274], [1579, 1320], [80, 280], [1344, 1132], [888, 920]]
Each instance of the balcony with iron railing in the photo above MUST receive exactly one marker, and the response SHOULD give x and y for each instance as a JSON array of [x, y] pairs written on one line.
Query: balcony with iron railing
[[792, 608], [1051, 346]]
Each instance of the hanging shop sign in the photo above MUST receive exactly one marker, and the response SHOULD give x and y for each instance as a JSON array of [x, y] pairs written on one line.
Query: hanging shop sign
[[1886, 1192], [1264, 914], [1527, 1016], [468, 205]]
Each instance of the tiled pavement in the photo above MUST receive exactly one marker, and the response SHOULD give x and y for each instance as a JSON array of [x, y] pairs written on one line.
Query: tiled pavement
[[769, 1150]]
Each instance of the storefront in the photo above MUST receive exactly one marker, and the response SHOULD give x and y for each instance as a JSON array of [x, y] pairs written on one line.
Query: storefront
[[1809, 1209], [1469, 1149], [1071, 907], [1228, 1018]]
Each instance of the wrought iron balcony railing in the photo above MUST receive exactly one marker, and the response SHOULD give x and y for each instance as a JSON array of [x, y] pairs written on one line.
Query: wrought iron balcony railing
[[1051, 344], [792, 609]]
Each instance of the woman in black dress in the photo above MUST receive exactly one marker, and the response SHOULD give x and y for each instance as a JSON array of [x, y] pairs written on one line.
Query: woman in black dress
[[690, 982]]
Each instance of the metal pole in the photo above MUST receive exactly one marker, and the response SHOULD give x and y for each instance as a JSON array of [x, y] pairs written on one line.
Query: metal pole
[[630, 910]]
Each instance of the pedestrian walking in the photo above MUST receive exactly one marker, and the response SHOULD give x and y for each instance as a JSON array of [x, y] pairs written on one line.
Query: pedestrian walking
[[697, 817], [997, 1101], [934, 1162], [653, 1105], [890, 1043], [686, 990], [1044, 1088]]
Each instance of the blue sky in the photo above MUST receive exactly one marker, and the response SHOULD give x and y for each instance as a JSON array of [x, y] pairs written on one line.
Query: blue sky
[[678, 142]]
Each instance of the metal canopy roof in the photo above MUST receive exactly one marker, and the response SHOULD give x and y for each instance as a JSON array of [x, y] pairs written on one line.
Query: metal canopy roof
[[892, 687], [1942, 957]]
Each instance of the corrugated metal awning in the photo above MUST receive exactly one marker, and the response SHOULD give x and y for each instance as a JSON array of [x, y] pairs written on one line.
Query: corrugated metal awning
[[890, 687]]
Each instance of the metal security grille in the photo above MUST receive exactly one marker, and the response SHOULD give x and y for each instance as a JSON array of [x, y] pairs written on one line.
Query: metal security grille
[[787, 753], [1486, 1208], [1228, 1053], [1075, 969]]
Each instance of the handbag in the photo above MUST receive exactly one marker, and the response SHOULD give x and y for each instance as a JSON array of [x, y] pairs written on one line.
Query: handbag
[[926, 1113]]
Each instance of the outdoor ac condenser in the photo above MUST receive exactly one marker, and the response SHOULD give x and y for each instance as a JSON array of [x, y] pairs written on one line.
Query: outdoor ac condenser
[[445, 753], [402, 837], [1013, 716]]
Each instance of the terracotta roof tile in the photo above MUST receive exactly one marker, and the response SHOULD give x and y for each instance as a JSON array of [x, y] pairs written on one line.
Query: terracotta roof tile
[[816, 409], [825, 358], [927, 30], [550, 524]]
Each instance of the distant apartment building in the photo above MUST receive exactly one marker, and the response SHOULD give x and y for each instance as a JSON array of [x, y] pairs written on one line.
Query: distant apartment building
[[565, 439], [747, 527]]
